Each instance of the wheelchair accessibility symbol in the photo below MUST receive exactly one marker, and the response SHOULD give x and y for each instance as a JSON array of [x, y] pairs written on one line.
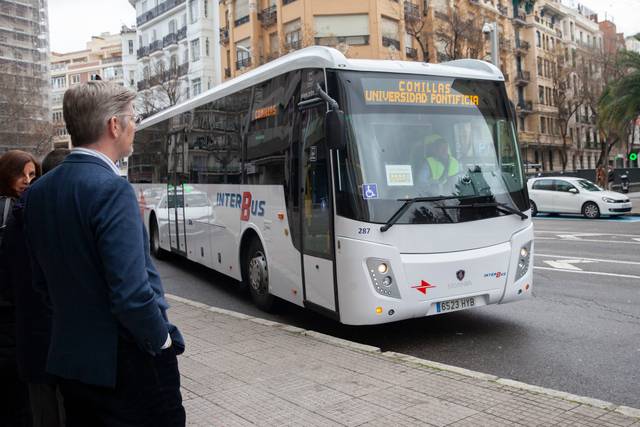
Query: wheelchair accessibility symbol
[[370, 191]]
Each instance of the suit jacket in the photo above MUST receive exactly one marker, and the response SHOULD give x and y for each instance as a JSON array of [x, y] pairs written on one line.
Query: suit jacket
[[90, 256], [32, 316]]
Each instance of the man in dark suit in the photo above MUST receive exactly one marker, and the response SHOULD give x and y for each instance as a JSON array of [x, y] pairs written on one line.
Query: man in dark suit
[[112, 346]]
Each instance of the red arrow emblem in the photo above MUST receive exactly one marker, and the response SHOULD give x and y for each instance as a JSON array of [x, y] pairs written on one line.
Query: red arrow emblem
[[423, 286]]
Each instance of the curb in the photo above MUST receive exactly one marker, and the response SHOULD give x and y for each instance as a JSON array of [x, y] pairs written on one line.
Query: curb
[[597, 403]]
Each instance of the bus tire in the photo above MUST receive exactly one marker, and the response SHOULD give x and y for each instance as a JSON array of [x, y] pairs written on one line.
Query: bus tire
[[154, 240], [534, 208], [257, 277]]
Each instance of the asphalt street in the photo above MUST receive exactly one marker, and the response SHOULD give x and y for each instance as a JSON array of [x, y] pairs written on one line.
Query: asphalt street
[[580, 333]]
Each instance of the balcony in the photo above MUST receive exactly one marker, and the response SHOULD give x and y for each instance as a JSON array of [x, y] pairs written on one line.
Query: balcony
[[240, 21], [224, 36], [348, 40], [268, 16], [522, 46], [157, 11], [243, 63], [523, 78], [525, 107], [519, 18], [112, 60], [411, 11], [182, 33], [411, 52], [170, 40], [183, 69], [143, 85], [155, 47], [388, 42], [143, 51]]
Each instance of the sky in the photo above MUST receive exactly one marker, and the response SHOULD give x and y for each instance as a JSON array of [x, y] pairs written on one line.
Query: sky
[[73, 22]]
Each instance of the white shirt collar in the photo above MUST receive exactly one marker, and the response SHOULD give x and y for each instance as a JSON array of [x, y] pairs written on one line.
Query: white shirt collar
[[98, 154]]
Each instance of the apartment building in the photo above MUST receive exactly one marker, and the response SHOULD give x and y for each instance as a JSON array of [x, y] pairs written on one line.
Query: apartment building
[[253, 32], [24, 76], [178, 50], [103, 56]]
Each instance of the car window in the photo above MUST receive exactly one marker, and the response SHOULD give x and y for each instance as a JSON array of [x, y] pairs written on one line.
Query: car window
[[543, 184], [588, 185], [563, 185]]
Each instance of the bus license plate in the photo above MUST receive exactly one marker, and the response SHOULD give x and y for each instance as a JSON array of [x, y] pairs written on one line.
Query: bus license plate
[[455, 305]]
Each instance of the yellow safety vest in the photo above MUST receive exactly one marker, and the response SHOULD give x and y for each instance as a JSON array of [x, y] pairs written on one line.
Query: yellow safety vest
[[437, 168]]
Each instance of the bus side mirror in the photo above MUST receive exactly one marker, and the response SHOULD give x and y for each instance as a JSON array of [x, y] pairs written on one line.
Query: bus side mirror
[[334, 124]]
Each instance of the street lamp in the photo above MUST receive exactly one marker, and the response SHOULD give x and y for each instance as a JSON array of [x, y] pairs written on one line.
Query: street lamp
[[491, 28]]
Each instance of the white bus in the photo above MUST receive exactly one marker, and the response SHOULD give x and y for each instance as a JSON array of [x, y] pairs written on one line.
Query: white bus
[[368, 190]]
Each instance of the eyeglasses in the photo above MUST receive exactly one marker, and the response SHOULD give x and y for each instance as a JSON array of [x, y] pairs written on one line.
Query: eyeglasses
[[136, 118]]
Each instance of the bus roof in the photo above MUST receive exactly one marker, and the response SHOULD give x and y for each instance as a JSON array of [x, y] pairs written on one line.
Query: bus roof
[[326, 57]]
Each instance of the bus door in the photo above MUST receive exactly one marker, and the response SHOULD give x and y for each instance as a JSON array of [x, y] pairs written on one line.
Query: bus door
[[175, 193], [316, 213]]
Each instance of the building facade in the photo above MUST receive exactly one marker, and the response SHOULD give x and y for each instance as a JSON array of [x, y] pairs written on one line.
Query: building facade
[[103, 56], [25, 111], [177, 54]]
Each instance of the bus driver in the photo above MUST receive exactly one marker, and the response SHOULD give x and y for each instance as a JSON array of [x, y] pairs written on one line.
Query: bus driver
[[439, 167]]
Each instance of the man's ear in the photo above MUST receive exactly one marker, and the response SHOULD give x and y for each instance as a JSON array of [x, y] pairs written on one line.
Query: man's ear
[[113, 128]]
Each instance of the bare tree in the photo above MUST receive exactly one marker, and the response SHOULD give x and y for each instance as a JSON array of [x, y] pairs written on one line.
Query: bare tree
[[460, 33], [163, 89], [417, 27], [566, 98], [24, 121]]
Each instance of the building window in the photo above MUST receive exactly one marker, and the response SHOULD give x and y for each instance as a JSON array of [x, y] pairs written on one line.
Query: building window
[[59, 82], [331, 30], [539, 66], [75, 79], [172, 26], [132, 78], [274, 44], [205, 8], [206, 46], [241, 12], [196, 87], [541, 94], [538, 39], [130, 47], [390, 33], [292, 36], [193, 11], [195, 50], [243, 56]]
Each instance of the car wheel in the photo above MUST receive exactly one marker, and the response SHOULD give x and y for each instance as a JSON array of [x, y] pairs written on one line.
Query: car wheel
[[591, 210], [257, 277], [534, 208], [154, 240]]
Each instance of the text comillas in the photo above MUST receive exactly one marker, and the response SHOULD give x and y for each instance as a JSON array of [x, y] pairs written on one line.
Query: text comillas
[[244, 202]]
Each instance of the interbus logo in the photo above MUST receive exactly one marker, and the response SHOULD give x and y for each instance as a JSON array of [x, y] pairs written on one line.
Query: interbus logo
[[244, 202]]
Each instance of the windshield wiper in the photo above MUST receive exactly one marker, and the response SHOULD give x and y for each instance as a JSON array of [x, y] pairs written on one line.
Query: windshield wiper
[[407, 203], [503, 207]]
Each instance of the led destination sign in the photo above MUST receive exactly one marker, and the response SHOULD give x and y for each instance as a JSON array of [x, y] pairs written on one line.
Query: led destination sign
[[414, 92]]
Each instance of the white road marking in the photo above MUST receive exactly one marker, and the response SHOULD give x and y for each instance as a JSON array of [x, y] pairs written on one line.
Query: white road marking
[[567, 264], [614, 261], [598, 273], [574, 233], [546, 238]]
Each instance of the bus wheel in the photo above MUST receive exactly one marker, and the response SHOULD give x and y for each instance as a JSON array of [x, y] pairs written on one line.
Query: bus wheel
[[154, 240], [258, 277]]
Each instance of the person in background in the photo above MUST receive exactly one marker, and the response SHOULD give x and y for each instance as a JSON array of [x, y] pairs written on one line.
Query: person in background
[[610, 178], [112, 346], [17, 170]]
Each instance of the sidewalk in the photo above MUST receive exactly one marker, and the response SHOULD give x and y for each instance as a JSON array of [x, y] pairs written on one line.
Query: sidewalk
[[239, 370]]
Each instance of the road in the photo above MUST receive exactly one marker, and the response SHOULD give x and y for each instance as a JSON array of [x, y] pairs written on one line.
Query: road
[[580, 333]]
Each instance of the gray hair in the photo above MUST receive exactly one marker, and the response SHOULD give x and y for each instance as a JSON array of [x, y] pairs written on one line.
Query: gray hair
[[88, 106]]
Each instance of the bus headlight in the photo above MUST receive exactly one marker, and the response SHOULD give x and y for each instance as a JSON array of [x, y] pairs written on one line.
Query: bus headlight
[[524, 257], [382, 277]]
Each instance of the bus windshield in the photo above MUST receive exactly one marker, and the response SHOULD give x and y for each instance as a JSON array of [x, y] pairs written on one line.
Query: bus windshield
[[449, 140]]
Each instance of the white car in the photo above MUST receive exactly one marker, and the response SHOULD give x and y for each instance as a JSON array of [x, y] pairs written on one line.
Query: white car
[[561, 194]]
